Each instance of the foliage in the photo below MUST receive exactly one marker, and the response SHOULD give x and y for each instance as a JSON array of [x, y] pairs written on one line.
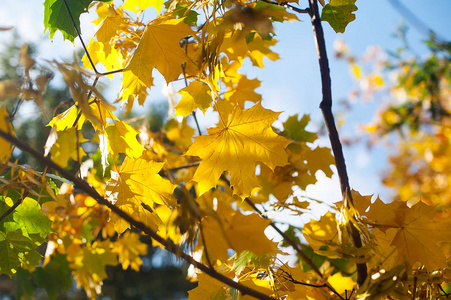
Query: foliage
[[203, 194]]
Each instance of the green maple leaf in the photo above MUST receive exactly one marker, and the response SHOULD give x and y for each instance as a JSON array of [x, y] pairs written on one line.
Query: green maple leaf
[[57, 17], [17, 250], [339, 13], [55, 276], [28, 215]]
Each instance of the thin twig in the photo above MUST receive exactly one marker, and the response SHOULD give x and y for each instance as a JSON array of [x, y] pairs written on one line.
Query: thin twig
[[289, 6], [324, 285], [287, 239], [84, 46], [191, 165], [326, 108], [193, 113], [12, 208], [168, 244]]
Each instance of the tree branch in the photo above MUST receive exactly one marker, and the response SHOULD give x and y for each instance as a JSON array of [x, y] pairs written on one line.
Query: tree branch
[[169, 245], [326, 108]]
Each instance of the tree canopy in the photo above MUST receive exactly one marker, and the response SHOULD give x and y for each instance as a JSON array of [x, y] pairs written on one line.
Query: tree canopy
[[106, 179]]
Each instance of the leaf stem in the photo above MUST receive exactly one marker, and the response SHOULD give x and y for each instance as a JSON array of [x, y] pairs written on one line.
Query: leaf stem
[[326, 108], [168, 244]]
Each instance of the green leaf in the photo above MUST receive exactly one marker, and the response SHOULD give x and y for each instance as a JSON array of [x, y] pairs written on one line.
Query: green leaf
[[28, 215], [24, 287], [295, 129], [56, 16], [55, 276], [339, 13], [16, 249]]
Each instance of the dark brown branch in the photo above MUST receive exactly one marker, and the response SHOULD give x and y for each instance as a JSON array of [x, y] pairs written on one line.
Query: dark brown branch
[[169, 245], [326, 108], [286, 238]]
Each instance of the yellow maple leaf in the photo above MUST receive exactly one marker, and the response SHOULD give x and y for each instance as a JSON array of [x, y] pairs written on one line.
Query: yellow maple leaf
[[341, 283], [138, 179], [418, 236], [322, 232], [5, 126], [238, 232], [242, 89], [129, 248], [208, 288], [88, 264], [195, 95], [121, 138], [247, 139], [413, 231], [159, 49], [68, 146]]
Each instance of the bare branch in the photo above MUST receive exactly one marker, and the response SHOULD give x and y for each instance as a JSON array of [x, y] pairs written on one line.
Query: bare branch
[[326, 108]]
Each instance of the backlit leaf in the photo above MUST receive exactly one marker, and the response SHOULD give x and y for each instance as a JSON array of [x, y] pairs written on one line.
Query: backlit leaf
[[339, 13], [247, 139]]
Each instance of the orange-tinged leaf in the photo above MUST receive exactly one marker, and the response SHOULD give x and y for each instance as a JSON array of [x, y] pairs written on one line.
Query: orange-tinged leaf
[[5, 126], [195, 95], [418, 236], [247, 139]]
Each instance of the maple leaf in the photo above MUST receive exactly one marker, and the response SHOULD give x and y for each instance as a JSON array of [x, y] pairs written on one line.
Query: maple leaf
[[322, 232], [195, 95], [129, 248], [239, 232], [339, 13], [138, 182], [56, 16], [89, 264], [419, 235], [247, 139], [159, 48], [295, 129], [208, 288], [5, 126], [242, 89], [121, 138], [413, 231], [67, 146]]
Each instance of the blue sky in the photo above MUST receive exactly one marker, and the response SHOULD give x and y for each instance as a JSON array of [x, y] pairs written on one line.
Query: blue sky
[[292, 84]]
